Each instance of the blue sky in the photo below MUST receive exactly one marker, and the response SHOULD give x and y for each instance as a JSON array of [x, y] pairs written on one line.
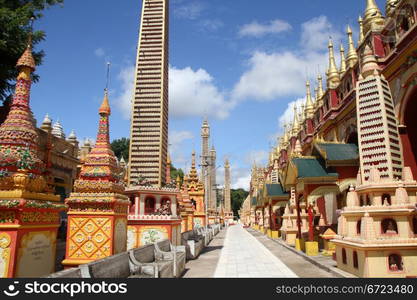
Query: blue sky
[[240, 62]]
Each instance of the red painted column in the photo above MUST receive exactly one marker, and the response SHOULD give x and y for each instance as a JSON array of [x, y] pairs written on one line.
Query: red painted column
[[310, 224]]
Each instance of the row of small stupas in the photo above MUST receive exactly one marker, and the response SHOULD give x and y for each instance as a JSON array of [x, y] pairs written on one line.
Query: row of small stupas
[[342, 175], [111, 207], [105, 217]]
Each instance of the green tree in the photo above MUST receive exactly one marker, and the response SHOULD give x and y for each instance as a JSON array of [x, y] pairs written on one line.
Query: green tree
[[15, 24], [120, 148], [175, 172], [238, 197]]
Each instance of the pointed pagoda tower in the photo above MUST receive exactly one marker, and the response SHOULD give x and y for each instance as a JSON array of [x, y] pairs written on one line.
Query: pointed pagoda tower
[[377, 228], [97, 217], [195, 190], [29, 212], [228, 212]]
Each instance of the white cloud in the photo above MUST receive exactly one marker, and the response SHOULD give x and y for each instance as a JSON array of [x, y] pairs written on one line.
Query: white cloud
[[242, 181], [271, 76], [260, 157], [256, 29], [191, 94], [176, 147], [288, 116], [316, 32], [194, 93], [211, 24], [190, 10], [275, 75], [124, 100], [99, 52]]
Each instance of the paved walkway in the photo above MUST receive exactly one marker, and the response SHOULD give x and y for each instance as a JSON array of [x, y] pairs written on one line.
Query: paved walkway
[[205, 265], [296, 263], [243, 256]]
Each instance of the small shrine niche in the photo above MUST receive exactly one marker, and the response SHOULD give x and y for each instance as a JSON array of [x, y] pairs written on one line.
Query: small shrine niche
[[194, 203], [415, 225], [132, 205], [355, 260], [344, 256], [386, 199], [395, 263], [358, 227], [389, 227], [368, 200], [149, 205]]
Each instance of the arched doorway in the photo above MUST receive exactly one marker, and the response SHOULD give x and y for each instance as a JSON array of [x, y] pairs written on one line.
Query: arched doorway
[[408, 133]]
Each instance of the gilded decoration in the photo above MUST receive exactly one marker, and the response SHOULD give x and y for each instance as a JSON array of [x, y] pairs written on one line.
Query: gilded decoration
[[40, 217], [5, 242], [20, 166], [7, 217], [97, 197], [89, 238]]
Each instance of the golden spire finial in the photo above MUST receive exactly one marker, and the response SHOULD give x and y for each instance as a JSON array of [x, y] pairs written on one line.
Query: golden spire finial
[[295, 125], [193, 160], [105, 106], [372, 10], [285, 137], [316, 96], [390, 7], [352, 56], [333, 77], [26, 63], [373, 17], [309, 107], [320, 88], [302, 115], [361, 34], [342, 60]]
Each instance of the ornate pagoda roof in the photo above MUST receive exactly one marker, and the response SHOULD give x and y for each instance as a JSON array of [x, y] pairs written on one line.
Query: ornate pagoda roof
[[101, 171], [18, 135]]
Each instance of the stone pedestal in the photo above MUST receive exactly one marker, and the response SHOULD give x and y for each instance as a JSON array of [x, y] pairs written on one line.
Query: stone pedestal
[[145, 230], [275, 234], [28, 233], [96, 228], [300, 244], [329, 246], [312, 248]]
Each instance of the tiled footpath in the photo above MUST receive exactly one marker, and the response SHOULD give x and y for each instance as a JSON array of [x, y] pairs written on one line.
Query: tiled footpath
[[243, 256]]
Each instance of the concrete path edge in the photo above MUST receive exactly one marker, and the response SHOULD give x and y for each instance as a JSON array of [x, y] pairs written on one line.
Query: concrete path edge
[[306, 257]]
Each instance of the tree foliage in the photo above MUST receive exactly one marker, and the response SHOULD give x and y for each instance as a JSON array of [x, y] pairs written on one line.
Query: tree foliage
[[175, 173], [238, 197], [15, 24], [120, 148]]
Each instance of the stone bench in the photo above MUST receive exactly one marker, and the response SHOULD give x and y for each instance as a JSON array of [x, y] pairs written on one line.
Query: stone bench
[[193, 242], [146, 257], [165, 251], [137, 263], [206, 234]]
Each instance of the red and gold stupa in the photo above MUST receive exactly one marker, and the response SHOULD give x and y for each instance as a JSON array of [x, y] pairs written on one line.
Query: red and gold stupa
[[29, 212], [97, 217]]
